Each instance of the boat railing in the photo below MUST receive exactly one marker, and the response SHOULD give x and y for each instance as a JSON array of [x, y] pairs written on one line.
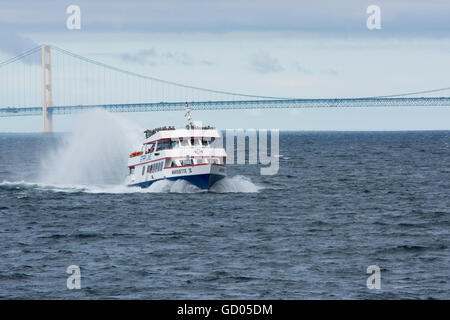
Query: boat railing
[[193, 127], [149, 133]]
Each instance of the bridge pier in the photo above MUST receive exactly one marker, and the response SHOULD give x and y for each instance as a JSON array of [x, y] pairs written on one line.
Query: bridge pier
[[47, 119]]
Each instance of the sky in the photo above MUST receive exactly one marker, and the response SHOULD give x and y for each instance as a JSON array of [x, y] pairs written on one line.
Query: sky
[[300, 49]]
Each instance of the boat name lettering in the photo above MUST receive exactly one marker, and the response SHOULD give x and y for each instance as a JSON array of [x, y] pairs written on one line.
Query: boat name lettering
[[178, 171]]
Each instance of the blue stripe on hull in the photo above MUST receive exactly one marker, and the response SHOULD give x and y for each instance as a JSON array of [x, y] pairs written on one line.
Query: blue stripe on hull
[[202, 181]]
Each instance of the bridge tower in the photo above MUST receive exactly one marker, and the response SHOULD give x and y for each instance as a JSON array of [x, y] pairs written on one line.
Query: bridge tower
[[47, 123]]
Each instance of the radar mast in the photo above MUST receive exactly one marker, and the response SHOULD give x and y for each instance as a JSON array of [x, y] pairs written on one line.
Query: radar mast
[[188, 116]]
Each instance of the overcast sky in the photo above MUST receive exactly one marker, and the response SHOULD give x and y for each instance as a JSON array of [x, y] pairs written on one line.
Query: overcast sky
[[308, 49]]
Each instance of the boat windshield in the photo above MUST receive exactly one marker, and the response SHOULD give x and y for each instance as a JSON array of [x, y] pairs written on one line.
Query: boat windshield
[[207, 141], [164, 144], [150, 148]]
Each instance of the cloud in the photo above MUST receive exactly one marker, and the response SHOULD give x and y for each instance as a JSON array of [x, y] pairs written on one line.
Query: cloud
[[144, 56], [14, 44], [399, 18], [331, 72], [262, 62], [152, 57], [302, 70], [307, 71], [178, 57]]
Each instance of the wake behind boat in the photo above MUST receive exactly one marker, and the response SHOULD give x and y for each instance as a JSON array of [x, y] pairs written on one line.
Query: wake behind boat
[[173, 154]]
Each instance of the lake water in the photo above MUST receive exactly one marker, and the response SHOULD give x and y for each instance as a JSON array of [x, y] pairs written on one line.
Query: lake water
[[341, 201]]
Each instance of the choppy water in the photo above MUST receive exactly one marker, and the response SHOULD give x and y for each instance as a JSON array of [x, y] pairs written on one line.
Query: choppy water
[[341, 202]]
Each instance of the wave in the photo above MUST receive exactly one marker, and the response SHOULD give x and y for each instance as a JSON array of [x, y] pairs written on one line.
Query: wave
[[234, 184]]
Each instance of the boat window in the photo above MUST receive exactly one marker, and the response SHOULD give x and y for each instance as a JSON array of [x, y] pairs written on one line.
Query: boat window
[[205, 141], [163, 145], [155, 167], [143, 170], [131, 170], [150, 148], [212, 142], [184, 142]]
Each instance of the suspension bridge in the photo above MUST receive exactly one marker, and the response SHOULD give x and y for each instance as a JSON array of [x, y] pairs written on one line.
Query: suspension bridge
[[47, 80]]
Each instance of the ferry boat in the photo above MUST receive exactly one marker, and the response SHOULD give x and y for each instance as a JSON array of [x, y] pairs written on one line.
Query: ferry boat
[[189, 154]]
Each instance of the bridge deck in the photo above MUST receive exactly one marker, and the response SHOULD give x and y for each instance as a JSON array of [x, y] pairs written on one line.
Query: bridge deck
[[232, 105]]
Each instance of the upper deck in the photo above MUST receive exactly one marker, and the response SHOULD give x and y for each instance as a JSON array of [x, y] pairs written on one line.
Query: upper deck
[[168, 143], [174, 134]]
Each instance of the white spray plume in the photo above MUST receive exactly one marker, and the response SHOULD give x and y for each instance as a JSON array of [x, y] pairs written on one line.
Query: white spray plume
[[96, 152]]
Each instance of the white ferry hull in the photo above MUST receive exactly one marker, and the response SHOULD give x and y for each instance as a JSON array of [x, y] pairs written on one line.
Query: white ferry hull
[[202, 176]]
